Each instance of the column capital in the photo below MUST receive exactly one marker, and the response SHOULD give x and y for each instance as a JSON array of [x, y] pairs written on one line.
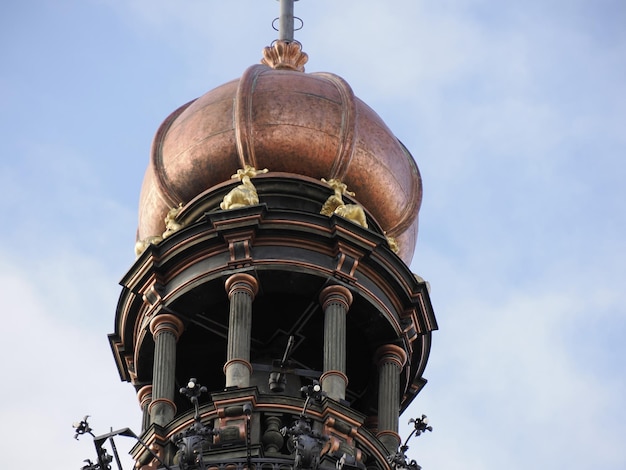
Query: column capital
[[167, 322], [338, 294], [242, 282], [144, 395], [390, 353]]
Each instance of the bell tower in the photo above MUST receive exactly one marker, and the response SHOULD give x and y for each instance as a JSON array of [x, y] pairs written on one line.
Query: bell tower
[[270, 319]]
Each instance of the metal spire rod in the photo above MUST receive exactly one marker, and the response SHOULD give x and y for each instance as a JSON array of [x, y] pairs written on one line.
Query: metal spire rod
[[286, 20]]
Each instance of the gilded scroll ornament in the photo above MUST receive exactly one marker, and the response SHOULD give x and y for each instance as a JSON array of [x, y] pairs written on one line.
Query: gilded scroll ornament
[[335, 205], [285, 55], [245, 194]]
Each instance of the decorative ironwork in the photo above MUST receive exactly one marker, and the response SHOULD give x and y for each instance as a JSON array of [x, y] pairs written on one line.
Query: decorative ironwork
[[90, 465], [312, 392], [104, 459], [349, 462], [306, 443], [399, 460], [247, 409], [420, 425], [286, 20], [295, 28], [82, 427], [193, 390], [193, 441]]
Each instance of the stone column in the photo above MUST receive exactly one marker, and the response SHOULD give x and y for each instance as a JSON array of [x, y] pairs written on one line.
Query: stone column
[[336, 301], [144, 395], [166, 329], [241, 288], [390, 359]]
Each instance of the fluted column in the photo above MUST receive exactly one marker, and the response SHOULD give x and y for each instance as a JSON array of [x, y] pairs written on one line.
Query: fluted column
[[390, 360], [166, 329], [144, 395], [241, 288], [336, 301]]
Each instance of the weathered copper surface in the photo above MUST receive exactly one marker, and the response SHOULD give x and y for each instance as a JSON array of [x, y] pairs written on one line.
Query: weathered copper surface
[[287, 121]]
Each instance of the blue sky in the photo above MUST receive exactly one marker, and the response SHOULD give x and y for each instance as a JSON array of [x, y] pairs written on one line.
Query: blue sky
[[515, 113]]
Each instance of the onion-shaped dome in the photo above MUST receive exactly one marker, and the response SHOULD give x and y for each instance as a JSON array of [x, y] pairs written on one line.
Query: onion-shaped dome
[[278, 117]]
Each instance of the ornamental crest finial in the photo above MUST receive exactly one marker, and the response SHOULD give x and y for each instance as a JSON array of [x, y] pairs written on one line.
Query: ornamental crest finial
[[285, 55]]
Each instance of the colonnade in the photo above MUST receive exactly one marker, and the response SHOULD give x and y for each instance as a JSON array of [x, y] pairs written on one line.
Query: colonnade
[[157, 400]]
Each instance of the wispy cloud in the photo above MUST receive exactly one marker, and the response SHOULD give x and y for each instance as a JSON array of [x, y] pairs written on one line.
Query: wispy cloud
[[57, 367]]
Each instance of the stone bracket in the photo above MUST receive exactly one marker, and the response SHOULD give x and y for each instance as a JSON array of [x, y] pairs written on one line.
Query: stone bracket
[[347, 263]]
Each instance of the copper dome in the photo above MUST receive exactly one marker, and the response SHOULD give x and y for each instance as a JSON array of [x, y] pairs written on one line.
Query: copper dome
[[290, 122]]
